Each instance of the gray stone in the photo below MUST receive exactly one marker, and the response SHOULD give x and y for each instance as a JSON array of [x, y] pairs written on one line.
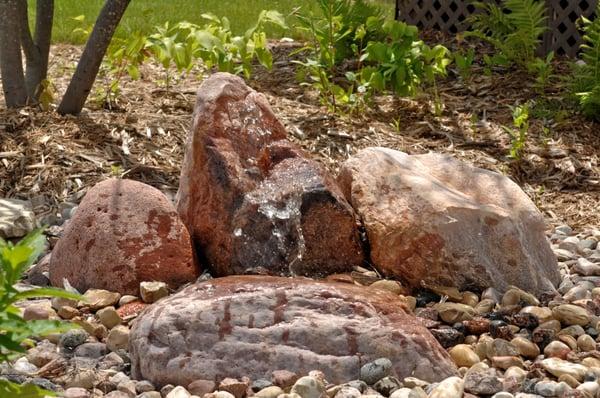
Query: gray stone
[[387, 385], [482, 381], [308, 387], [16, 218], [91, 350], [374, 371], [73, 338], [144, 386]]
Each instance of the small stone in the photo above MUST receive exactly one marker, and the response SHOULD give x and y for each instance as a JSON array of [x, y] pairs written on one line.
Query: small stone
[[374, 371], [454, 312], [388, 384], [485, 306], [128, 387], [68, 312], [515, 372], [98, 298], [507, 362], [259, 384], [551, 389], [145, 386], [269, 392], [201, 387], [388, 285], [557, 349], [543, 314], [153, 291], [452, 387], [463, 355], [150, 394], [448, 337], [558, 367], [178, 392], [526, 348], [38, 312], [126, 299], [502, 348], [118, 338], [503, 394], [91, 350], [585, 267], [166, 389], [477, 326], [500, 329], [569, 314], [73, 338], [23, 366], [574, 331], [589, 388], [570, 380], [564, 230], [42, 354], [284, 378], [482, 381], [348, 392], [586, 343], [83, 378], [525, 321], [117, 394], [109, 317], [235, 387], [76, 392], [469, 298], [309, 387]]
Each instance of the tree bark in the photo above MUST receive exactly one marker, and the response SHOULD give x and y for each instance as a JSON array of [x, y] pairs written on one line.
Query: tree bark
[[11, 66], [89, 64], [37, 49]]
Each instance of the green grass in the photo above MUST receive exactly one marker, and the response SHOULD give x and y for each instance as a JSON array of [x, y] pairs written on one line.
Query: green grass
[[143, 15]]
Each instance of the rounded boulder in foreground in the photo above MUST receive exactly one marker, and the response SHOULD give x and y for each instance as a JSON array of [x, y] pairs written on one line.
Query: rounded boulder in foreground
[[249, 326], [123, 233]]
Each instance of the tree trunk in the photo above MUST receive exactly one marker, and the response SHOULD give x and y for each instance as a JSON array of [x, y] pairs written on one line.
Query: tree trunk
[[89, 64], [37, 48], [11, 66]]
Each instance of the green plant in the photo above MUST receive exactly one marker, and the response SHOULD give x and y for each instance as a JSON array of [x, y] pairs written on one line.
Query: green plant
[[514, 28], [15, 333], [464, 63], [518, 133], [542, 70], [585, 84]]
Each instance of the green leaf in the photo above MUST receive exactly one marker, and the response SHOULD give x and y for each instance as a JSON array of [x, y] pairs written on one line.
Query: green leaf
[[9, 389], [46, 292]]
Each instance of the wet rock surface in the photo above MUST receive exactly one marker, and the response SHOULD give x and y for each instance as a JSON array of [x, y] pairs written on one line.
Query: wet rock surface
[[255, 203], [435, 219], [247, 326], [124, 232]]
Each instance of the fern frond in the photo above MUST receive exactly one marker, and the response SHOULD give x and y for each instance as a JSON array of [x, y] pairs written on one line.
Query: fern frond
[[590, 50], [528, 16]]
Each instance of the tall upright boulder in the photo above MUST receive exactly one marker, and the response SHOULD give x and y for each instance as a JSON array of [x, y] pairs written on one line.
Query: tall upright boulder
[[250, 326], [433, 219], [253, 202], [124, 232]]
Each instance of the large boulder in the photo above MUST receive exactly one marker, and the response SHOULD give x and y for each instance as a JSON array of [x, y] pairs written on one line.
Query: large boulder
[[253, 202], [124, 232], [435, 220], [252, 325]]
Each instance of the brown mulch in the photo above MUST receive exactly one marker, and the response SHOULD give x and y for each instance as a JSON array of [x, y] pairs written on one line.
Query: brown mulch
[[52, 159]]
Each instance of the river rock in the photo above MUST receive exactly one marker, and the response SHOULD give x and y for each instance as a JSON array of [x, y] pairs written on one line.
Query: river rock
[[433, 219], [255, 203], [124, 232], [558, 367], [452, 387], [463, 355], [251, 325], [569, 314]]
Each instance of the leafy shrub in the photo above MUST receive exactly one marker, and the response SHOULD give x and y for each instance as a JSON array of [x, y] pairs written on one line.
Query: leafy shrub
[[586, 77], [518, 133], [514, 29], [385, 54], [15, 333]]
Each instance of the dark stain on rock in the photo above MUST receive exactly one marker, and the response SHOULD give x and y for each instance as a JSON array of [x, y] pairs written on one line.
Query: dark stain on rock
[[279, 308], [225, 327], [285, 336], [251, 321], [351, 341], [491, 221]]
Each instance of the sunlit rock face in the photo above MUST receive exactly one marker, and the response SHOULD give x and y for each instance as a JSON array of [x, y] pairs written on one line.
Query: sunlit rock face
[[254, 202], [249, 326], [434, 219]]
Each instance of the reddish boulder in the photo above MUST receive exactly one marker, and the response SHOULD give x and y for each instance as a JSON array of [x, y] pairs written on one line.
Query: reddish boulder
[[433, 219], [124, 232], [253, 325], [254, 202]]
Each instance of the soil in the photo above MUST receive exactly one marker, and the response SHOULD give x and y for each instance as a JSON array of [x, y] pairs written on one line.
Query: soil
[[51, 159]]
